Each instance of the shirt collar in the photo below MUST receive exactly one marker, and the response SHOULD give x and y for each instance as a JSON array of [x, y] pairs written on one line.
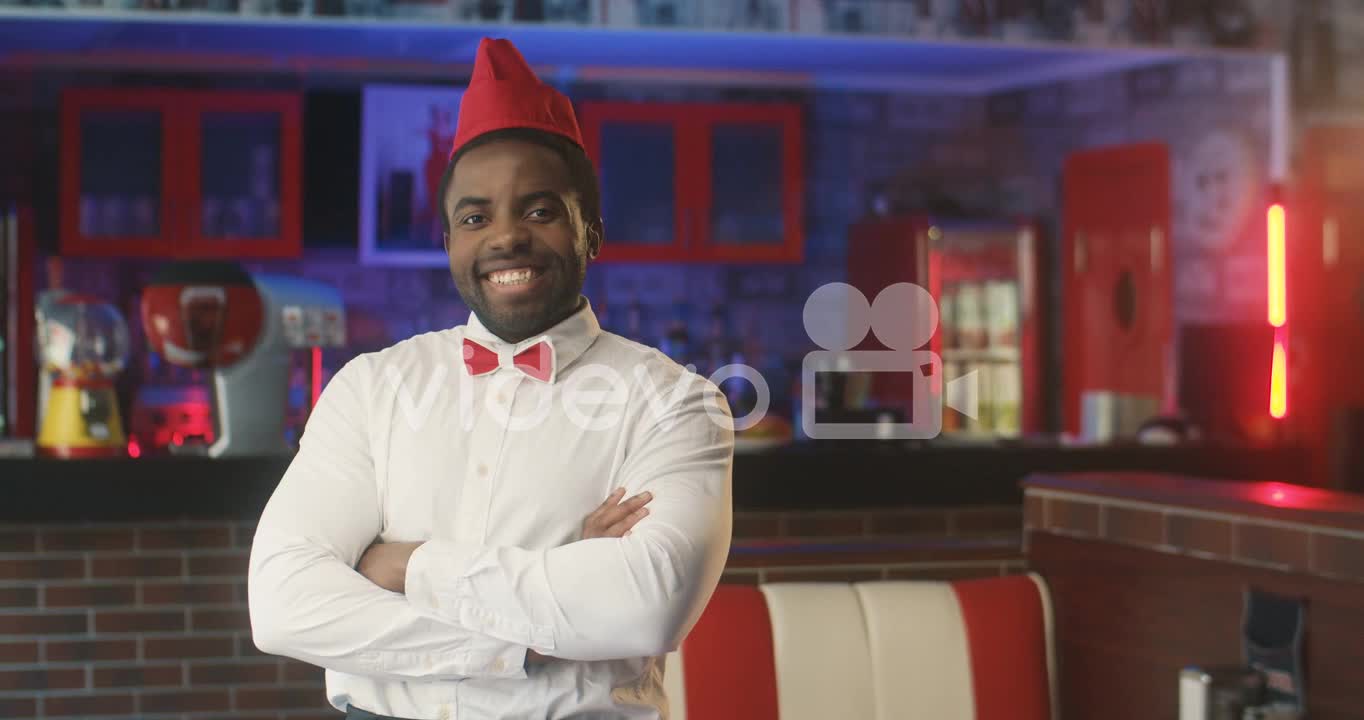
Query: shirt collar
[[571, 337]]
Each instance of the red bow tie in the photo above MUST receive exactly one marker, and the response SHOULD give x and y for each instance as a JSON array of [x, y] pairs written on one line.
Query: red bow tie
[[536, 361]]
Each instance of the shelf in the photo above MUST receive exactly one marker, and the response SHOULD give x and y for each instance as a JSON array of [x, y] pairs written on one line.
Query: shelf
[[183, 39], [976, 438], [988, 355]]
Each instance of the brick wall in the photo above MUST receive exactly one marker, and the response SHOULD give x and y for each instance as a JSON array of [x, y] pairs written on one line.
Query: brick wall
[[150, 621], [904, 544], [145, 621]]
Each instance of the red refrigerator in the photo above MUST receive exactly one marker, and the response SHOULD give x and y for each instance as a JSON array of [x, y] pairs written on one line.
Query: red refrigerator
[[984, 277]]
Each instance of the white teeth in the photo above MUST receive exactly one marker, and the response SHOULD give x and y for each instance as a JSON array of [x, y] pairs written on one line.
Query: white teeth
[[511, 277]]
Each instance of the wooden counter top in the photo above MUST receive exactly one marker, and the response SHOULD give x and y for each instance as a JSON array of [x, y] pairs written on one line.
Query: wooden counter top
[[1274, 525], [1269, 500]]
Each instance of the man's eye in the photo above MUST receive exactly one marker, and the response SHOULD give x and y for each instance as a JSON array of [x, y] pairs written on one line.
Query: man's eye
[[472, 220], [541, 213]]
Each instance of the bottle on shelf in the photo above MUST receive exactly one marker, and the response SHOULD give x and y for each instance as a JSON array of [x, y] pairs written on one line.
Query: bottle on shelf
[[635, 320], [676, 343], [718, 345]]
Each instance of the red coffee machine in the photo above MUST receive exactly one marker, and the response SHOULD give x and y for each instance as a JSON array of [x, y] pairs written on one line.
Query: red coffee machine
[[214, 315]]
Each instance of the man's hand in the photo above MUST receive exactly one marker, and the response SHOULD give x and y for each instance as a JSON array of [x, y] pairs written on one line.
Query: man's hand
[[613, 518], [385, 564]]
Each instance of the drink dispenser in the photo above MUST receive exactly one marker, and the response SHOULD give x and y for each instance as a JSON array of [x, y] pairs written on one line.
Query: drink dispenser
[[215, 315]]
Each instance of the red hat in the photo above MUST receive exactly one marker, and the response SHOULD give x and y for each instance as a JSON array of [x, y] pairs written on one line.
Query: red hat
[[505, 93]]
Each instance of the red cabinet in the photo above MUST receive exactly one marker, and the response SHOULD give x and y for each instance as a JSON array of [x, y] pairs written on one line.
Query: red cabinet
[[1117, 287], [703, 182], [180, 173]]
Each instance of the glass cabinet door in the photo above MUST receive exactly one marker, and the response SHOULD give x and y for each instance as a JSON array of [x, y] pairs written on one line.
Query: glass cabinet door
[[638, 183], [115, 173], [246, 191], [120, 174], [637, 149], [746, 170], [982, 276], [239, 175], [751, 189]]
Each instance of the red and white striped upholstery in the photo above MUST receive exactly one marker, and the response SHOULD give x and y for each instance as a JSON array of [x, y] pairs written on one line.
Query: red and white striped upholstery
[[965, 650]]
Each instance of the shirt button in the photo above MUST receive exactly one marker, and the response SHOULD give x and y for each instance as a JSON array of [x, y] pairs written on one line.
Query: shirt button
[[482, 470], [501, 398], [444, 713], [499, 665]]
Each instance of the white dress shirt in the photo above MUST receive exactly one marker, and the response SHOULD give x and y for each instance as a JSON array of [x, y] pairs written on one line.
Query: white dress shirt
[[495, 474]]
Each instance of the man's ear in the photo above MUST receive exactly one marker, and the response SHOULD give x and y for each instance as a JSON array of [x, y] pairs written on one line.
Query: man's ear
[[445, 241], [595, 238]]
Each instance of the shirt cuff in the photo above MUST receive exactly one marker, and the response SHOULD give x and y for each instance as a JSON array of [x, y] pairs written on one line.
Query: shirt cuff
[[461, 584], [431, 568], [502, 661], [486, 658]]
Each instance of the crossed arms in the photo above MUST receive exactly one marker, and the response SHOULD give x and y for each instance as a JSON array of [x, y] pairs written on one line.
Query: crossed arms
[[473, 610]]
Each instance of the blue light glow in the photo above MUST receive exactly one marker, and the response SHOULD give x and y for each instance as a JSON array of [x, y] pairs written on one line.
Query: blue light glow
[[286, 40]]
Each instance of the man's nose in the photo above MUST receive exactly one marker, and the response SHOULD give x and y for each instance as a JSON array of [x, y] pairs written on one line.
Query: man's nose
[[509, 235]]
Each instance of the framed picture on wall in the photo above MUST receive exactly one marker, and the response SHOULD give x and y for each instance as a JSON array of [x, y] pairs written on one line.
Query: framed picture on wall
[[405, 137]]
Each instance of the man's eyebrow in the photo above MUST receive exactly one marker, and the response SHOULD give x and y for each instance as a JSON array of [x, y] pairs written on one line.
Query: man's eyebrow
[[467, 201], [538, 195]]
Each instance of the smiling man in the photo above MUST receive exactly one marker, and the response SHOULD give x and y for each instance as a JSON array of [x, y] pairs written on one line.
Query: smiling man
[[514, 518]]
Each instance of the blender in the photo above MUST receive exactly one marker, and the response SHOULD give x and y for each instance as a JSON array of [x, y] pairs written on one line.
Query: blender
[[82, 346]]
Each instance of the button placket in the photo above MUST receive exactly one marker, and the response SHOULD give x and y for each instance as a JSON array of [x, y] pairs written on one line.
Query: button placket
[[486, 441], [470, 526], [507, 393]]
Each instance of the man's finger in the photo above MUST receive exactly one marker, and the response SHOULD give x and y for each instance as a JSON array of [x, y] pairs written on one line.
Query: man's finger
[[620, 528], [607, 517], [614, 509], [611, 500]]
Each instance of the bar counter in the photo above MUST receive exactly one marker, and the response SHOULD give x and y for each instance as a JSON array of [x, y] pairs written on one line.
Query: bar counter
[[1148, 575], [801, 476], [123, 582]]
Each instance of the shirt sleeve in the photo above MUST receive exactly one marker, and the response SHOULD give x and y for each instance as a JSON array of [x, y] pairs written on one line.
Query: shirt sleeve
[[606, 598], [305, 599]]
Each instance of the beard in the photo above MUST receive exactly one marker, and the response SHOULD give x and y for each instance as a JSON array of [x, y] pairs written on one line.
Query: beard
[[522, 318]]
